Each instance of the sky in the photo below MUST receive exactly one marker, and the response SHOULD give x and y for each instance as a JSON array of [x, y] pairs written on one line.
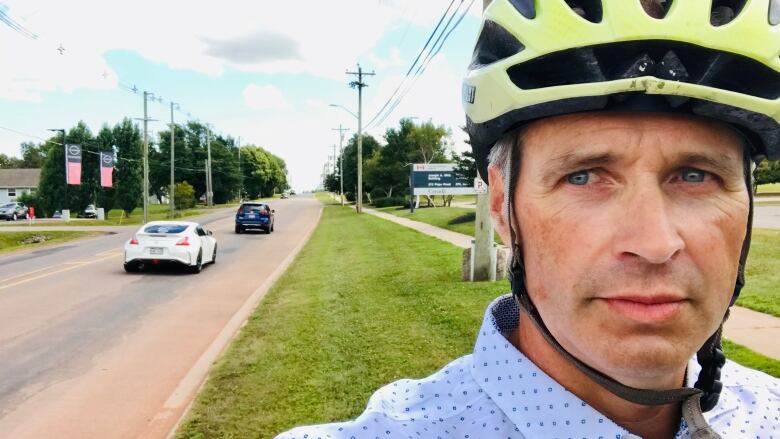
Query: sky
[[263, 71]]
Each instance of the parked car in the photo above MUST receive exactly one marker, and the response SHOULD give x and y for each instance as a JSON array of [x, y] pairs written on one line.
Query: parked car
[[180, 243], [13, 211], [89, 212], [57, 214], [284, 195], [255, 215]]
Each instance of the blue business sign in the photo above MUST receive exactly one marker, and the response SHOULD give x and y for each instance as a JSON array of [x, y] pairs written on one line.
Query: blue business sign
[[439, 179]]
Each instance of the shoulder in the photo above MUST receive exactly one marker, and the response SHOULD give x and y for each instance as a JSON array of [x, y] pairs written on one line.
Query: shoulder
[[749, 401], [407, 408]]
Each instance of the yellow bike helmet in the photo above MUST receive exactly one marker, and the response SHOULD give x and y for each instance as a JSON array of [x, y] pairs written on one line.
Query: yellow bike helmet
[[714, 58]]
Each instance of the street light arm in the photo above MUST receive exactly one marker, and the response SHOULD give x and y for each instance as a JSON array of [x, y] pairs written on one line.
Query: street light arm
[[344, 108]]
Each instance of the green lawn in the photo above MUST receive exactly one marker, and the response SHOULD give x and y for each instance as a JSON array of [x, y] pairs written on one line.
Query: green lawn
[[10, 241], [772, 188], [753, 360], [761, 292], [456, 219], [117, 217], [339, 324]]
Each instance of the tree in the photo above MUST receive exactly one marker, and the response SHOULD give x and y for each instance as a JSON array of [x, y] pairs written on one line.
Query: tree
[[767, 172], [7, 162], [184, 195], [128, 175], [52, 188], [370, 144], [465, 165], [32, 155]]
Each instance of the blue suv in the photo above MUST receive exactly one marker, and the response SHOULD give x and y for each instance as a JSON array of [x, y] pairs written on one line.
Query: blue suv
[[255, 216]]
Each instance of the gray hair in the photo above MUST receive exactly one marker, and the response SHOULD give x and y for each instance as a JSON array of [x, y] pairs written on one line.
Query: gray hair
[[500, 158]]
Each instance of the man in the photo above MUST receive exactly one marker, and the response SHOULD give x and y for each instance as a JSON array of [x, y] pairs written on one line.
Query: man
[[618, 138]]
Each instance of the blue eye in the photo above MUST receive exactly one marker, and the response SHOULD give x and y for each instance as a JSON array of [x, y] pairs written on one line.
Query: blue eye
[[693, 175], [580, 178]]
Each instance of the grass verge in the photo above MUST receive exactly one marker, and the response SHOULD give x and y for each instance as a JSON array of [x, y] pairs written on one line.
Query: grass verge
[[456, 219], [772, 188], [11, 241], [753, 360], [346, 318], [117, 217], [763, 273]]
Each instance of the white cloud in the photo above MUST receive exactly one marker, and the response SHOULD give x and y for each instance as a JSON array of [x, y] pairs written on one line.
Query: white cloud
[[265, 97]]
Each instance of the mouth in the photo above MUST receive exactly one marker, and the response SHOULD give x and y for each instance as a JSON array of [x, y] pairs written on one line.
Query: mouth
[[646, 309]]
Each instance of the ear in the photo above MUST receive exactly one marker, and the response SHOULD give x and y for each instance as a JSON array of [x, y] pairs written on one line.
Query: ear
[[497, 211]]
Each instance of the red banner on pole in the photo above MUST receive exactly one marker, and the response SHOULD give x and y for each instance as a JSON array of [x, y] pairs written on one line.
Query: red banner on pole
[[106, 169], [73, 164]]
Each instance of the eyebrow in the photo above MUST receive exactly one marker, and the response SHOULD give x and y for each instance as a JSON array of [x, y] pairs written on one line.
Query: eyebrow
[[573, 161]]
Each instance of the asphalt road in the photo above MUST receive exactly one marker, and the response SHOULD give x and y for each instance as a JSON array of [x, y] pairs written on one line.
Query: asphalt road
[[89, 351]]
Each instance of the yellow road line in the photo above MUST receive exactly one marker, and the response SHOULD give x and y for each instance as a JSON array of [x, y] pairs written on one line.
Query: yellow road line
[[68, 266], [24, 274]]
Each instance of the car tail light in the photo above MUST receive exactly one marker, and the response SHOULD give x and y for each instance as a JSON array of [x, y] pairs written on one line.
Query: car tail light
[[134, 241], [184, 241], [263, 212]]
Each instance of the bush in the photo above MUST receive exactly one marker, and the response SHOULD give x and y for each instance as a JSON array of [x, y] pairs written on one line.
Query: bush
[[350, 196], [390, 201], [31, 199], [184, 195]]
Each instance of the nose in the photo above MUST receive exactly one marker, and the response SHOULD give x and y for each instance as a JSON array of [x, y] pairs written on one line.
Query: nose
[[648, 229]]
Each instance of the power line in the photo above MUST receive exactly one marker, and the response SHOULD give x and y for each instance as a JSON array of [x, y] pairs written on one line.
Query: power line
[[425, 65], [13, 24], [438, 45], [419, 55]]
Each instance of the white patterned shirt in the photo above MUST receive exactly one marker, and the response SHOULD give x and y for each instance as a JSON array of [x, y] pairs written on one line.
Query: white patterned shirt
[[497, 392]]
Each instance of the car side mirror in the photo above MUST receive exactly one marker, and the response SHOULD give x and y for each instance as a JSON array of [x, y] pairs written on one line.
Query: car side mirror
[[209, 232], [273, 211]]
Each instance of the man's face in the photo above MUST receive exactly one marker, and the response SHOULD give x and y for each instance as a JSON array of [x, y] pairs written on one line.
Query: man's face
[[631, 227]]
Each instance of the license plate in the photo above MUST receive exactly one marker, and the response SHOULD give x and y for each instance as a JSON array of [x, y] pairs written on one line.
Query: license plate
[[156, 250]]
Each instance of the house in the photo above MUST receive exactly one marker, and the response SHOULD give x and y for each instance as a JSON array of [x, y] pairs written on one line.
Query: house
[[15, 182]]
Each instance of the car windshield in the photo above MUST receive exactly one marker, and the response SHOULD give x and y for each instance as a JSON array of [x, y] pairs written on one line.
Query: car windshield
[[9, 205], [171, 229]]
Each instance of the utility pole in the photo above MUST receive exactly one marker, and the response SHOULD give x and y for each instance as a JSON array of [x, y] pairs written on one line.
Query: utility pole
[[173, 184], [240, 175], [146, 120], [359, 84], [209, 188]]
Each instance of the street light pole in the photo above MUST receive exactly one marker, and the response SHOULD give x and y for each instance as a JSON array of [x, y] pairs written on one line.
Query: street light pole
[[359, 84], [240, 175], [341, 131], [146, 158], [173, 184]]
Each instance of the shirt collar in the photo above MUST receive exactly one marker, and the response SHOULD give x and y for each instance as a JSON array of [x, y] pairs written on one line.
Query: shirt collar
[[531, 399]]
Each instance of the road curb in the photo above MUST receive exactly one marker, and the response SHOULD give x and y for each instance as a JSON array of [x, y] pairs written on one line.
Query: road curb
[[192, 383]]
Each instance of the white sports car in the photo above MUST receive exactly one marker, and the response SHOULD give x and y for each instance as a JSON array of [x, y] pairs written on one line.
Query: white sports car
[[170, 242]]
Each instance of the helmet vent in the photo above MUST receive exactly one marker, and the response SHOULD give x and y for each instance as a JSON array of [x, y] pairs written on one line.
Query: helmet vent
[[774, 12], [590, 10], [656, 8], [725, 11], [494, 44], [525, 7], [666, 60]]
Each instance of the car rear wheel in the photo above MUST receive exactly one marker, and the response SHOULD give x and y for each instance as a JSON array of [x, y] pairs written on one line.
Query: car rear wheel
[[132, 268], [238, 229], [198, 267]]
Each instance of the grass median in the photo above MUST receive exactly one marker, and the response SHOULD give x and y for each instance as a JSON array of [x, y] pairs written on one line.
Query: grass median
[[11, 241], [366, 302]]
